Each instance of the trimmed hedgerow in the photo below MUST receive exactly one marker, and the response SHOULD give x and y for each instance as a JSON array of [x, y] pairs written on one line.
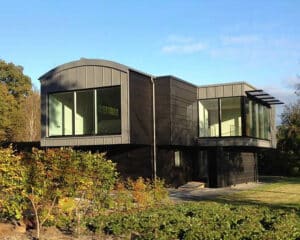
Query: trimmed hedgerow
[[204, 220]]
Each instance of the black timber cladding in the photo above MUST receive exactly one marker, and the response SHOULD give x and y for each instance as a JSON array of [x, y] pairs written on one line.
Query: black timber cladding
[[183, 112], [141, 118], [231, 166], [176, 111], [163, 110]]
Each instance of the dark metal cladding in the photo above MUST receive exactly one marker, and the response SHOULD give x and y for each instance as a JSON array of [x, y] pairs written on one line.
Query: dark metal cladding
[[181, 154]]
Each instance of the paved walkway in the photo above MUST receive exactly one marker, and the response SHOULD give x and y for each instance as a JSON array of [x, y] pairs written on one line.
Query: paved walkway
[[185, 194]]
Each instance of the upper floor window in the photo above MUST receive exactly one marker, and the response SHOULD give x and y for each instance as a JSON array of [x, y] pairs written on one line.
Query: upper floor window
[[225, 117], [257, 120], [85, 112], [209, 118], [61, 110], [231, 117]]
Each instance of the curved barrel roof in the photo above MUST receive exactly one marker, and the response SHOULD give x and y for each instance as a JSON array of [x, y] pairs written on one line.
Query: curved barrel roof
[[89, 62]]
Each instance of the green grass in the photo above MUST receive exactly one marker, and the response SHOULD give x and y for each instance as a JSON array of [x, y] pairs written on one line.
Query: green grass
[[277, 191]]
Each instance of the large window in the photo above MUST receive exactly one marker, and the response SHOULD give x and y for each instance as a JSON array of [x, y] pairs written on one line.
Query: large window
[[95, 111], [61, 108], [231, 117], [208, 118], [225, 117]]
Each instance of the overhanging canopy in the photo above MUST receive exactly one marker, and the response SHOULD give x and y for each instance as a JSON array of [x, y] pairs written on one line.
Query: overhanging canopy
[[263, 97]]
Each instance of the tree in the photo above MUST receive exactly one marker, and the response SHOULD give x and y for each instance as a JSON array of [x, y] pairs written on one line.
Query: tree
[[289, 135], [19, 105], [18, 84], [7, 110], [31, 114]]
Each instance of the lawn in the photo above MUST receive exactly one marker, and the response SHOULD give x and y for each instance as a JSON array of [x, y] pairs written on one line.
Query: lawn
[[277, 191]]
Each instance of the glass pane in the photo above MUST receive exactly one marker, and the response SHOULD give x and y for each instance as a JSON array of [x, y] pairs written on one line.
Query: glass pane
[[61, 107], [267, 123], [231, 122], [84, 119], [249, 117], [109, 111], [208, 118], [261, 121], [258, 120]]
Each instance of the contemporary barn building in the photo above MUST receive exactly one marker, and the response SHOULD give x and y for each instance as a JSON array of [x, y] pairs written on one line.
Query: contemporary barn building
[[158, 126]]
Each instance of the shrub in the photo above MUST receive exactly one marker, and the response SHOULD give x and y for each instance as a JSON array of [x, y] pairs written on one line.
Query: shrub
[[139, 193], [205, 220], [12, 203], [59, 176]]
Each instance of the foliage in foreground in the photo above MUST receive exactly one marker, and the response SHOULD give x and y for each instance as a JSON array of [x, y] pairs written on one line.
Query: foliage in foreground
[[34, 184], [12, 176], [64, 188], [205, 220]]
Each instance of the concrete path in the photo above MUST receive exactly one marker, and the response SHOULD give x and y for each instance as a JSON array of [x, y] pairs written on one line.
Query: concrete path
[[185, 194]]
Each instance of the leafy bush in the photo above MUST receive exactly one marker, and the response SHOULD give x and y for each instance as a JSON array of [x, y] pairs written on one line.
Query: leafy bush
[[41, 181], [80, 183], [12, 203], [205, 220], [139, 193]]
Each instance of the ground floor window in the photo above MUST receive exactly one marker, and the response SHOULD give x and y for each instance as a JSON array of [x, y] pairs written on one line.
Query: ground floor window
[[177, 158], [85, 112]]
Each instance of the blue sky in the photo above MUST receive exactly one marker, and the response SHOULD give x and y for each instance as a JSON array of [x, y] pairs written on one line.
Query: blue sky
[[204, 42]]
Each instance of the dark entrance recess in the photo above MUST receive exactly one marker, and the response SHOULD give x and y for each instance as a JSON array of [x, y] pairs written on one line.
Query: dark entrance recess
[[212, 169]]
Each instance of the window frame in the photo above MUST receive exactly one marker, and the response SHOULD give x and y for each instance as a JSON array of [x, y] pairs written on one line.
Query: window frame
[[94, 134], [243, 100]]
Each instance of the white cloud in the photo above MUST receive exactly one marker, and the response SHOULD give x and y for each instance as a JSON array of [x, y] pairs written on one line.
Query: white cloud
[[182, 45], [184, 48], [179, 39], [241, 39]]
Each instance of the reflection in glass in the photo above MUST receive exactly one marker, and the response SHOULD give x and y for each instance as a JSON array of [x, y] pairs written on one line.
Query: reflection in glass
[[84, 118], [109, 111], [231, 120], [208, 118], [61, 107], [257, 120]]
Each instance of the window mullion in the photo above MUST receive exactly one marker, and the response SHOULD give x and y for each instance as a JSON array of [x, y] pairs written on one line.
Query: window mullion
[[74, 113], [220, 116], [243, 112], [95, 112]]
